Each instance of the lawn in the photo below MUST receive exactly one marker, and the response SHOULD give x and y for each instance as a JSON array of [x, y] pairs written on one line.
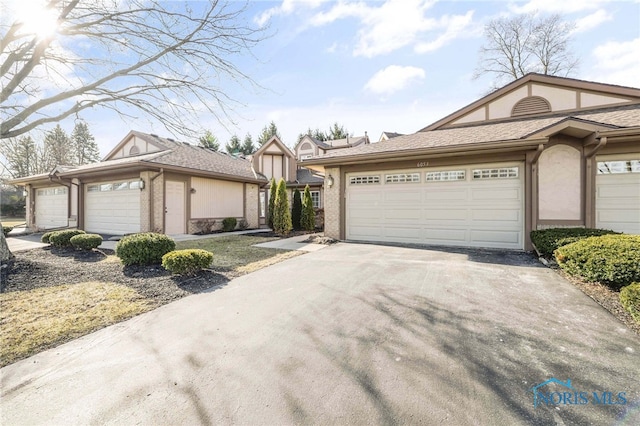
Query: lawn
[[12, 221], [54, 296]]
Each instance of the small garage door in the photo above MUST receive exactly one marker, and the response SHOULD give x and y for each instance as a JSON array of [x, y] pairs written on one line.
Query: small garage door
[[52, 207], [113, 207], [618, 194], [472, 206]]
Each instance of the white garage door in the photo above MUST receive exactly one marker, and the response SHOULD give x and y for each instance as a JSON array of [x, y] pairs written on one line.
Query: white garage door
[[618, 194], [52, 207], [473, 206], [113, 207]]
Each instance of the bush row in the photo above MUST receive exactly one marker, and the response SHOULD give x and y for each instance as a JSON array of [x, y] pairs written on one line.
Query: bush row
[[72, 238], [6, 230], [548, 240], [187, 262], [630, 299]]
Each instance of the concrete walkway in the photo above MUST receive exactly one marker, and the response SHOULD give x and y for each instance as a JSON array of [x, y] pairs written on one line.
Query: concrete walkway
[[293, 243]]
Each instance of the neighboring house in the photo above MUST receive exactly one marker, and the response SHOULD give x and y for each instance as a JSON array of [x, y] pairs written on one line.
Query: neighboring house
[[310, 147], [540, 152], [275, 160], [385, 136], [146, 183]]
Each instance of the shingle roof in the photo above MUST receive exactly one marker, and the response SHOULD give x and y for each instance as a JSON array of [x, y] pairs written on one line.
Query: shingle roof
[[308, 177], [621, 116]]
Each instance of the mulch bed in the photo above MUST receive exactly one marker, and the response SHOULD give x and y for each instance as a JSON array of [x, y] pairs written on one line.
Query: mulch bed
[[46, 267]]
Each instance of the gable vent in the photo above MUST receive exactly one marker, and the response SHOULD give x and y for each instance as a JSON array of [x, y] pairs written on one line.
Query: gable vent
[[531, 105]]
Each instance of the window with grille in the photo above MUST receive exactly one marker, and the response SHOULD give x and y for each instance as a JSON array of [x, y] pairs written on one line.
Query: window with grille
[[448, 175], [497, 173], [402, 178], [364, 180], [315, 198], [615, 167]]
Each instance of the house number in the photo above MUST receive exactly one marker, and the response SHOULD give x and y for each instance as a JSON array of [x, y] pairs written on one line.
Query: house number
[[423, 164]]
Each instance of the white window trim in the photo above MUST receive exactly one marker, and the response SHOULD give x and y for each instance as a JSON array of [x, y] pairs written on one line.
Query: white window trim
[[445, 176], [318, 204], [402, 178], [496, 173], [364, 180]]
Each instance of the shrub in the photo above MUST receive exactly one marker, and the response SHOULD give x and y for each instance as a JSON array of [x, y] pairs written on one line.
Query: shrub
[[63, 238], [45, 237], [86, 241], [630, 299], [229, 224], [146, 248], [308, 220], [611, 259], [243, 224], [281, 212], [548, 240], [296, 209], [272, 202], [187, 262], [6, 230]]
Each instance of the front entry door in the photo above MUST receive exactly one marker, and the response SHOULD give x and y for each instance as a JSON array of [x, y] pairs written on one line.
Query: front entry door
[[174, 211]]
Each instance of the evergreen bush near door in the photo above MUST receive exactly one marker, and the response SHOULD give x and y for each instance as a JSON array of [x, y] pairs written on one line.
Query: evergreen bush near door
[[272, 201], [296, 210], [281, 213], [308, 220]]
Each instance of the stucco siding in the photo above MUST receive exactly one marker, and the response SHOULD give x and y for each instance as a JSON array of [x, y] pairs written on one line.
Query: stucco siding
[[502, 107], [216, 198], [559, 183]]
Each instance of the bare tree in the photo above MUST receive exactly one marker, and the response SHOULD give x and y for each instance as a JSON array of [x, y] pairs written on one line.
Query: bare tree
[[168, 60], [22, 156], [526, 43]]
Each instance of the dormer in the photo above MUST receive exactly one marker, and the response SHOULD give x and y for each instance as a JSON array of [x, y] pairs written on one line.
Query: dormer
[[275, 160], [134, 144], [307, 148]]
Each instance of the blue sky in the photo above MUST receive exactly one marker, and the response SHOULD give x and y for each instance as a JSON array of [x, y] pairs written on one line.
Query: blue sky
[[394, 65]]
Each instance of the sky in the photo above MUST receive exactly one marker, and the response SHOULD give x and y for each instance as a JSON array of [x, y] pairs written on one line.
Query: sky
[[395, 65]]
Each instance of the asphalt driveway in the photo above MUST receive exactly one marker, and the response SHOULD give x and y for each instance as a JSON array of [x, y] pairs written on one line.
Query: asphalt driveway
[[353, 334]]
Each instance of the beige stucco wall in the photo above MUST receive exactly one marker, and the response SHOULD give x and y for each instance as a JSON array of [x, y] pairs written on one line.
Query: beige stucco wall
[[476, 115], [145, 203], [559, 184], [332, 203], [589, 100], [142, 145], [501, 108], [215, 198], [559, 99], [252, 214]]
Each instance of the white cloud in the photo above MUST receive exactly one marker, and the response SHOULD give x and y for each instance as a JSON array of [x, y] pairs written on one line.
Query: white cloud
[[592, 21], [287, 7], [395, 24], [556, 6], [617, 62], [393, 78]]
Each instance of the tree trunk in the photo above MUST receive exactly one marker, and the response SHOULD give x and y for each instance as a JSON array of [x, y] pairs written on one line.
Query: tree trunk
[[6, 257]]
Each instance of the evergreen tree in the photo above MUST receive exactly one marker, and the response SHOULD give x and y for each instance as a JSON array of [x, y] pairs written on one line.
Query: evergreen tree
[[308, 219], [23, 156], [337, 132], [281, 213], [296, 209], [317, 134], [57, 149], [233, 147], [247, 146], [209, 141], [84, 144], [268, 132], [272, 202]]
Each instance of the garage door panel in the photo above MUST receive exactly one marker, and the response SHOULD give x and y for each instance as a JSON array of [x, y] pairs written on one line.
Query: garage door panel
[[618, 199], [115, 211], [51, 207], [449, 209]]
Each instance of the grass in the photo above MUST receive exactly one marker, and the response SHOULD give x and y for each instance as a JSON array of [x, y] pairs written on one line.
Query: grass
[[12, 221], [34, 320], [236, 252]]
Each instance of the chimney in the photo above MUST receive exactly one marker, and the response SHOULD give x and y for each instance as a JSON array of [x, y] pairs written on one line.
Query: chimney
[[366, 138]]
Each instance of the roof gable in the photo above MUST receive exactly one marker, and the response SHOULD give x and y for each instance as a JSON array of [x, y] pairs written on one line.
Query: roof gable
[[536, 94], [136, 143], [274, 146]]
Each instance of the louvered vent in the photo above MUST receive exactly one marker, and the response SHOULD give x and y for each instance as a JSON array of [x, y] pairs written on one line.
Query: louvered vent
[[531, 105]]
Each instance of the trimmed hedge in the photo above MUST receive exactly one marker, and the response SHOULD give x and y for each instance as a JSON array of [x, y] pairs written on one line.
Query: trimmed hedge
[[63, 238], [146, 248], [6, 230], [86, 241], [229, 224], [613, 260], [45, 237], [630, 299], [187, 262], [548, 240]]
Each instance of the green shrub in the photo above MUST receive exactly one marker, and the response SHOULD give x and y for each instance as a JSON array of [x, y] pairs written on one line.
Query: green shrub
[[610, 259], [281, 213], [243, 224], [308, 220], [63, 238], [146, 248], [229, 224], [296, 209], [187, 262], [630, 299], [548, 240], [6, 230], [45, 237], [272, 201], [86, 241]]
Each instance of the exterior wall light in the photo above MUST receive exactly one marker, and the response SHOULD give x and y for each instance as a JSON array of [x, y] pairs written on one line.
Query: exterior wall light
[[192, 190], [141, 184], [330, 181]]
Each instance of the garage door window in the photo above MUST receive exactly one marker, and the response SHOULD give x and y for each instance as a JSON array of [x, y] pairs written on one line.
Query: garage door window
[[449, 175], [614, 167], [498, 173], [119, 186], [402, 178], [52, 191], [364, 180]]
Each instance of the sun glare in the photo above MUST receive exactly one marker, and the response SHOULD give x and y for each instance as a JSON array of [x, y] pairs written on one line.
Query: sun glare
[[37, 19]]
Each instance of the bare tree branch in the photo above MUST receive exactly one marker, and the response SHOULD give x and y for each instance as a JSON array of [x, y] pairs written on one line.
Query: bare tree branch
[[164, 59]]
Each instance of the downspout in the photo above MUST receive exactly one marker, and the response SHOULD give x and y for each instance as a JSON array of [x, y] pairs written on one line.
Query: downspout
[[601, 144], [590, 184]]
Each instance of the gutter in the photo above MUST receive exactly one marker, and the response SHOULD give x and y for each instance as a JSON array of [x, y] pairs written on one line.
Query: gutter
[[601, 144]]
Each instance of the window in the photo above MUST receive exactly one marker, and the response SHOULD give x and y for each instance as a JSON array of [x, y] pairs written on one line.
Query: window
[[52, 191], [402, 178], [448, 175], [614, 167], [364, 180], [305, 156], [93, 188], [120, 186], [263, 204], [498, 173], [315, 197], [134, 184]]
